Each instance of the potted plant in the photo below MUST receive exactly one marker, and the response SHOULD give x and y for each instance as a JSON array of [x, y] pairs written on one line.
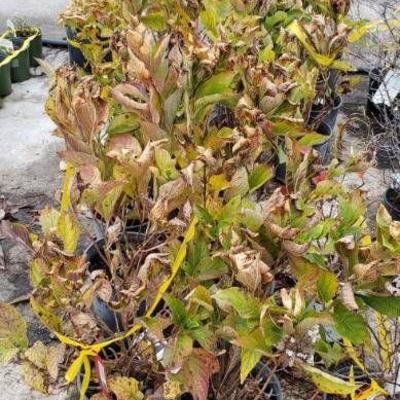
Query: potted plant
[[23, 30], [5, 68], [89, 40], [20, 57], [188, 309]]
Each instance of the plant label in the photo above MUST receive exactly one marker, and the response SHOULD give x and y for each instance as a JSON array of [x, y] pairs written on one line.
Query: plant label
[[389, 89]]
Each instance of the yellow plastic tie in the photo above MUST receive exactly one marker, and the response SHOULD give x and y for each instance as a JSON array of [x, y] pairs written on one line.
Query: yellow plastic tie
[[93, 350], [16, 53]]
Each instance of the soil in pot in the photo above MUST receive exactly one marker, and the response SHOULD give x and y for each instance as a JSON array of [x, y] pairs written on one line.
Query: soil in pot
[[5, 76], [392, 203], [20, 61]]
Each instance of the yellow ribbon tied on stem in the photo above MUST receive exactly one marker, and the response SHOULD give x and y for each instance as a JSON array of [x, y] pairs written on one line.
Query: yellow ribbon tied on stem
[[87, 351]]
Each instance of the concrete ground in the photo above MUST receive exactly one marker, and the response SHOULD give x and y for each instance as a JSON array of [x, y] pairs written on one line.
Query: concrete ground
[[30, 176], [42, 13]]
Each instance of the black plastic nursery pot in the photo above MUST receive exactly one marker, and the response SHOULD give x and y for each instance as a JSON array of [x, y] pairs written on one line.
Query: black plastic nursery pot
[[392, 203], [325, 113], [75, 53], [20, 60], [324, 148], [5, 76], [34, 36], [273, 388], [36, 49]]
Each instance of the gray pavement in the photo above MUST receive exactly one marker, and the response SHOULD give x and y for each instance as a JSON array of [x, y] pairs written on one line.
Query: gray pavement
[[42, 13]]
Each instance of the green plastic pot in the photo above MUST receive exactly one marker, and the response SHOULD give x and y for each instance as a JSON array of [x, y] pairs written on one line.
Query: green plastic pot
[[5, 78], [20, 61], [36, 50]]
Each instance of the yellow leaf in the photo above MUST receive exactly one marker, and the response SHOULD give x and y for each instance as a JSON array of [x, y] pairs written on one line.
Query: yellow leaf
[[328, 383], [12, 333], [218, 182], [48, 221], [249, 359], [37, 355], [125, 388], [371, 392], [321, 59], [33, 377], [68, 230]]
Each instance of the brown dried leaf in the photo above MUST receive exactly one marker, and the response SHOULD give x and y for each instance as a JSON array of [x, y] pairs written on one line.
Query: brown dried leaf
[[37, 355], [275, 202], [55, 356], [347, 296], [34, 378], [104, 290], [283, 233], [125, 388], [251, 271], [16, 232], [197, 371], [367, 272], [295, 249], [122, 146]]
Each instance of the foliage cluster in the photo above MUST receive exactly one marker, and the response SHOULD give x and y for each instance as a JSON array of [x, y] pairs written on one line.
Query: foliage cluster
[[206, 265]]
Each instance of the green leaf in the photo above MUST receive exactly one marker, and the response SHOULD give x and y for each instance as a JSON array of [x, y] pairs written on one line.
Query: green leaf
[[327, 286], [249, 360], [218, 84], [332, 354], [179, 313], [166, 164], [386, 305], [261, 174], [311, 139], [36, 272], [203, 215], [267, 54], [230, 212], [272, 332], [252, 219], [156, 21], [211, 268], [109, 202], [273, 20], [239, 184], [350, 325], [244, 304], [123, 123]]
